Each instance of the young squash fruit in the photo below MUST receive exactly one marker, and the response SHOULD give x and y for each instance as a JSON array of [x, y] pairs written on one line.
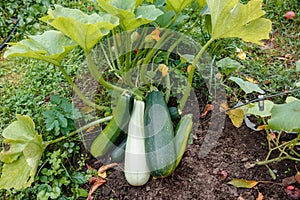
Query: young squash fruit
[[159, 142], [135, 166], [106, 140], [182, 132]]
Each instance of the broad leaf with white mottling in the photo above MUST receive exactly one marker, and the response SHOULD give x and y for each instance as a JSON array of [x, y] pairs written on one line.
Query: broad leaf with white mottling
[[52, 46]]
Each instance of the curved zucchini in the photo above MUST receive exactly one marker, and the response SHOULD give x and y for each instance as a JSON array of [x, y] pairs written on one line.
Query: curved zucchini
[[159, 133], [110, 134], [135, 166], [183, 130]]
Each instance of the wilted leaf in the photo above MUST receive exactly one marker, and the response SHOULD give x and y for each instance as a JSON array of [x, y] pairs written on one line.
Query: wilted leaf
[[242, 183], [208, 107], [52, 46], [247, 86], [232, 19], [237, 116], [98, 182], [85, 30], [285, 117], [228, 65], [22, 151], [104, 168]]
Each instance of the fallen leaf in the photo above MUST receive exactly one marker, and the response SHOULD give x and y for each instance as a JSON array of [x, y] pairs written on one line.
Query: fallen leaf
[[104, 168], [208, 107], [260, 196], [98, 182], [242, 183], [252, 80], [237, 117]]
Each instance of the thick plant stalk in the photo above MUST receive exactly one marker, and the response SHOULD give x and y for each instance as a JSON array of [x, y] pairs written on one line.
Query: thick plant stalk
[[191, 75]]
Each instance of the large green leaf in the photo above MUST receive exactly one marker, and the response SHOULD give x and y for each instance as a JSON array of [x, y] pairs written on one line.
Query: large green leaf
[[178, 5], [247, 86], [130, 16], [253, 109], [232, 19], [22, 150], [286, 117], [85, 30], [52, 46]]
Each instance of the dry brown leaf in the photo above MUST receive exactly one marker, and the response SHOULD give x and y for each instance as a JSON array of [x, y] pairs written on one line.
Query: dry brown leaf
[[104, 168], [208, 107], [97, 183], [260, 196]]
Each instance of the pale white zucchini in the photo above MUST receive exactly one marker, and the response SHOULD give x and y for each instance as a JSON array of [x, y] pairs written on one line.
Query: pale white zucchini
[[135, 167]]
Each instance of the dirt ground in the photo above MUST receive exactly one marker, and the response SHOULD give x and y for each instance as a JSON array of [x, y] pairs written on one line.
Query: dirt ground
[[201, 178]]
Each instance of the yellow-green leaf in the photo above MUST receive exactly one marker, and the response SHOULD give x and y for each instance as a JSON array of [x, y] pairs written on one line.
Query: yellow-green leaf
[[85, 30], [237, 117], [242, 183], [232, 19], [22, 150]]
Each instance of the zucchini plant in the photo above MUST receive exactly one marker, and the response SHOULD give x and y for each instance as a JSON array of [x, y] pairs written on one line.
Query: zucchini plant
[[141, 59]]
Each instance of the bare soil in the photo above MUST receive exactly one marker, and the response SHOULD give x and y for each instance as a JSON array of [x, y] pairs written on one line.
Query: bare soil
[[201, 178]]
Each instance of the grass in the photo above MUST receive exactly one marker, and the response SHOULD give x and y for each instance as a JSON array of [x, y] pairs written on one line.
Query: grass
[[25, 86]]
